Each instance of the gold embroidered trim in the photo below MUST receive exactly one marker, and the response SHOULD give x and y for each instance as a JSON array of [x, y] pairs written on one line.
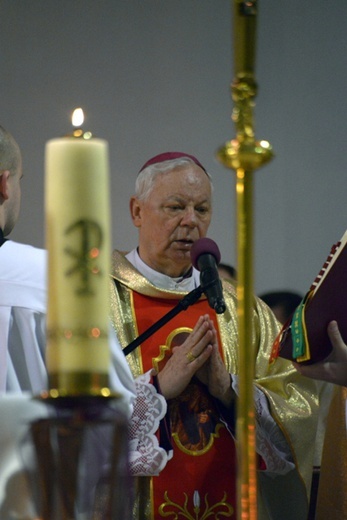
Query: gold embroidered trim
[[215, 511]]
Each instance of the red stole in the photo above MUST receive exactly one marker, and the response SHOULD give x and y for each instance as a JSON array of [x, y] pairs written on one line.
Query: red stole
[[201, 476]]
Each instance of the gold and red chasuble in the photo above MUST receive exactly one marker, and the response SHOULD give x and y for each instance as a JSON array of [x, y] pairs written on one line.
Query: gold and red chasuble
[[200, 479]]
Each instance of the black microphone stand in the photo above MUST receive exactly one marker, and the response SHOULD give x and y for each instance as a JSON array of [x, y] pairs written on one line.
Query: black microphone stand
[[182, 305]]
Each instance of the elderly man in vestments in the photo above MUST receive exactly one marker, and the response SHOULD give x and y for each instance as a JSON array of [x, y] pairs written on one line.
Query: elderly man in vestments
[[192, 361]]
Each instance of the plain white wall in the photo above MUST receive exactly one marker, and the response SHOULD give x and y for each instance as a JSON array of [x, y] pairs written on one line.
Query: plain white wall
[[154, 75]]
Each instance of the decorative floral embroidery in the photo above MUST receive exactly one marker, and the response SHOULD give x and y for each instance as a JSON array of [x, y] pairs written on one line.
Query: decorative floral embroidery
[[215, 511]]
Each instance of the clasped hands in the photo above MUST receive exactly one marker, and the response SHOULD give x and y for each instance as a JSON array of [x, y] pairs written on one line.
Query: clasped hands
[[198, 356]]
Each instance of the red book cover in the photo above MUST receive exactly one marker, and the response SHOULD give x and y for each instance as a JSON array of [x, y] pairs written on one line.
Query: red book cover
[[327, 301]]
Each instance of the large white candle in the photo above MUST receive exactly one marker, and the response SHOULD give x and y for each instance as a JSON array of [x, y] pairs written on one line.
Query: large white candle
[[78, 241]]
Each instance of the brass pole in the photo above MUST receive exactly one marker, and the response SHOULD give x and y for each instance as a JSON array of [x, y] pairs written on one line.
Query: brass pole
[[244, 155]]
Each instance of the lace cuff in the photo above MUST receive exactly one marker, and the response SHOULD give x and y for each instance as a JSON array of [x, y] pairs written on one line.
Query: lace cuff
[[146, 457], [271, 443]]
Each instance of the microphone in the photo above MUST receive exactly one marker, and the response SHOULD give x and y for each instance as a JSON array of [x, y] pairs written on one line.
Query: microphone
[[205, 257]]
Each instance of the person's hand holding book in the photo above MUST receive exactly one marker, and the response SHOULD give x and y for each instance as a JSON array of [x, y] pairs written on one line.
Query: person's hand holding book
[[334, 368]]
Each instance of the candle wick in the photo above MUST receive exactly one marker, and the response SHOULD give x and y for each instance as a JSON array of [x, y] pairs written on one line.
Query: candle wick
[[78, 132]]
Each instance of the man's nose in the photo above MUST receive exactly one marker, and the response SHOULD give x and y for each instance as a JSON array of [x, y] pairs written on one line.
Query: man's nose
[[189, 218]]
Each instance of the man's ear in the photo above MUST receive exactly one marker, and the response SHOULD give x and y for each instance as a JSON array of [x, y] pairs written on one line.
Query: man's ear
[[135, 211], [4, 175]]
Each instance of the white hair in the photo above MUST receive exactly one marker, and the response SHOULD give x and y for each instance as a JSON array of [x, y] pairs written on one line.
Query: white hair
[[146, 178]]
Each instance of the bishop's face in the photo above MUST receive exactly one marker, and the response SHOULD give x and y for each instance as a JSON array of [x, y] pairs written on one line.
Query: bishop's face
[[176, 214]]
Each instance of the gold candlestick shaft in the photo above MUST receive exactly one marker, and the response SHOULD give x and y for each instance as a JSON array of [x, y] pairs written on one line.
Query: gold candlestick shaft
[[244, 155]]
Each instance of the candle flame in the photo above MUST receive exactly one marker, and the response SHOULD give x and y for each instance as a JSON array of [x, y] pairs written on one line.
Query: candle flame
[[77, 117]]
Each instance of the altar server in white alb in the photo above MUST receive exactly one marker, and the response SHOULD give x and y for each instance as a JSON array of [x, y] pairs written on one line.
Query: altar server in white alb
[[23, 300], [22, 286], [23, 295]]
